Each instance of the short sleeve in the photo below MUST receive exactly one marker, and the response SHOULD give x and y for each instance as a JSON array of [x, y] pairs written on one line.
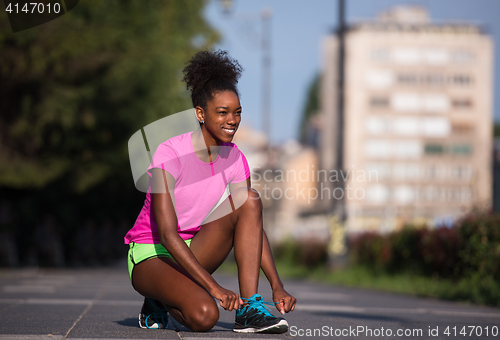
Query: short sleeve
[[241, 169], [167, 159]]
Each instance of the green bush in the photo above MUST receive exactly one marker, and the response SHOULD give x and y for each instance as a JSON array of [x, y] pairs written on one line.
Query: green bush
[[468, 254], [471, 246], [309, 253], [480, 245]]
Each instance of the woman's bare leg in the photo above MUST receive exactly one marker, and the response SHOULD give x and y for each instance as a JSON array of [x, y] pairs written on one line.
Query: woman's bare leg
[[164, 280], [241, 228], [189, 303]]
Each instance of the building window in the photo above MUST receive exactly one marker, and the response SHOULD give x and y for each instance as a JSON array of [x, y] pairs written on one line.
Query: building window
[[436, 103], [377, 193], [465, 195], [403, 149], [431, 194], [379, 102], [378, 149], [406, 56], [415, 102], [406, 149], [461, 80], [436, 56], [379, 171], [409, 79], [463, 57], [406, 126], [462, 127], [403, 194], [436, 127], [406, 171], [377, 126], [379, 79], [434, 79], [461, 172], [461, 103], [406, 102], [455, 194], [434, 149], [380, 55], [461, 149], [430, 172]]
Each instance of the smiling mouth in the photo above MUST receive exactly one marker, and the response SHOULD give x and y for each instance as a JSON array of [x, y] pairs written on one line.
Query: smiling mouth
[[230, 131]]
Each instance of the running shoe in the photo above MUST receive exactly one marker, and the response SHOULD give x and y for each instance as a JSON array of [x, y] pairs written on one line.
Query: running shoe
[[255, 317], [153, 315]]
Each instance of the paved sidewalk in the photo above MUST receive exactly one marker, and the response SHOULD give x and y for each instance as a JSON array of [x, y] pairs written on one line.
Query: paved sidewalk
[[101, 304]]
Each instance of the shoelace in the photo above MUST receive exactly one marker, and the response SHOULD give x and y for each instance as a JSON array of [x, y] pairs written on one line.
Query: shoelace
[[260, 305], [156, 315]]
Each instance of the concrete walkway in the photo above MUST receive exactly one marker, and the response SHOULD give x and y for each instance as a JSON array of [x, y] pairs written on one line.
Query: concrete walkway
[[101, 304]]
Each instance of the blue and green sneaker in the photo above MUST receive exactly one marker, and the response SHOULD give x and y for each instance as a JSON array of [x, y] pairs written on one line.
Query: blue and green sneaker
[[255, 317], [153, 315]]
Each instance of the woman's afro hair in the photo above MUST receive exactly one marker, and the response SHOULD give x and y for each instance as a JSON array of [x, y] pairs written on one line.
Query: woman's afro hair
[[208, 73]]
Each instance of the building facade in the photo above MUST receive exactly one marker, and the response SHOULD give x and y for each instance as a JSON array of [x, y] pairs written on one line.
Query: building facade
[[417, 131]]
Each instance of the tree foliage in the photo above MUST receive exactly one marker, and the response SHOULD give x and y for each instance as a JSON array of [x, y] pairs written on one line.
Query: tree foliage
[[311, 108], [75, 89]]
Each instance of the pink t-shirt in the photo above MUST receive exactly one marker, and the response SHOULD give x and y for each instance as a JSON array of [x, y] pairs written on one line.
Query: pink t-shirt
[[198, 186]]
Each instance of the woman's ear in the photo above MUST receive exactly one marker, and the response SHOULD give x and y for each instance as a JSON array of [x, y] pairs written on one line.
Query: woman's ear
[[200, 114]]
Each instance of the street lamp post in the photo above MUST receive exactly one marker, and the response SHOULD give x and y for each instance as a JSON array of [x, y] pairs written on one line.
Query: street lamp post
[[266, 73], [265, 43], [340, 99], [338, 244]]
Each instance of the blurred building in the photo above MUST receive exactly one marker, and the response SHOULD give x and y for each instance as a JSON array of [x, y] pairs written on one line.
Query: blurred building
[[496, 175], [283, 176], [417, 135]]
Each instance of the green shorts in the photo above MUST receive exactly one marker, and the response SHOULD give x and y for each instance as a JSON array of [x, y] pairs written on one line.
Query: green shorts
[[139, 252]]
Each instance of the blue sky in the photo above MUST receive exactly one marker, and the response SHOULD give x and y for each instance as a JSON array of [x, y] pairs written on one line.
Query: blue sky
[[298, 26]]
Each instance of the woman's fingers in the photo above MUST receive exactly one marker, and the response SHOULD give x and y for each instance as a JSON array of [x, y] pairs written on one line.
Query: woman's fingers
[[236, 302], [286, 304], [290, 303], [284, 301], [294, 301], [230, 301], [281, 307]]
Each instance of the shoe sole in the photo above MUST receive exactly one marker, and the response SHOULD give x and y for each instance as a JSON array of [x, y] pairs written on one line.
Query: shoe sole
[[279, 328], [154, 326]]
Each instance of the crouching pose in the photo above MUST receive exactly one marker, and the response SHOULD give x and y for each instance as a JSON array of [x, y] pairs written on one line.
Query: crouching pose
[[182, 236]]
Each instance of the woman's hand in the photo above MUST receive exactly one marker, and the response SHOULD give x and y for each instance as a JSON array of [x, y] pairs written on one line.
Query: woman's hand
[[228, 299], [285, 302]]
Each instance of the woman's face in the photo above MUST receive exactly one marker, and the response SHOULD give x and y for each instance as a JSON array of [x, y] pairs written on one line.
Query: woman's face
[[222, 116]]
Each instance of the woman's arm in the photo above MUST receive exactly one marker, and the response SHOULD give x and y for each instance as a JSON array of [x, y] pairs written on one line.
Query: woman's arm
[[162, 200], [280, 295], [286, 301]]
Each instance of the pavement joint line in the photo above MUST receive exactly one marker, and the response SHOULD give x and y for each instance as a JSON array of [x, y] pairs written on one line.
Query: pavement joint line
[[71, 302], [30, 337], [99, 294]]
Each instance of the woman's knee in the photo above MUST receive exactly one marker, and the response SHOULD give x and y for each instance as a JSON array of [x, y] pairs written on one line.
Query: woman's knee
[[203, 316]]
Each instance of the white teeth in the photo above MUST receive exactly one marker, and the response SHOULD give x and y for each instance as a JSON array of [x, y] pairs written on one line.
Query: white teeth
[[228, 130]]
